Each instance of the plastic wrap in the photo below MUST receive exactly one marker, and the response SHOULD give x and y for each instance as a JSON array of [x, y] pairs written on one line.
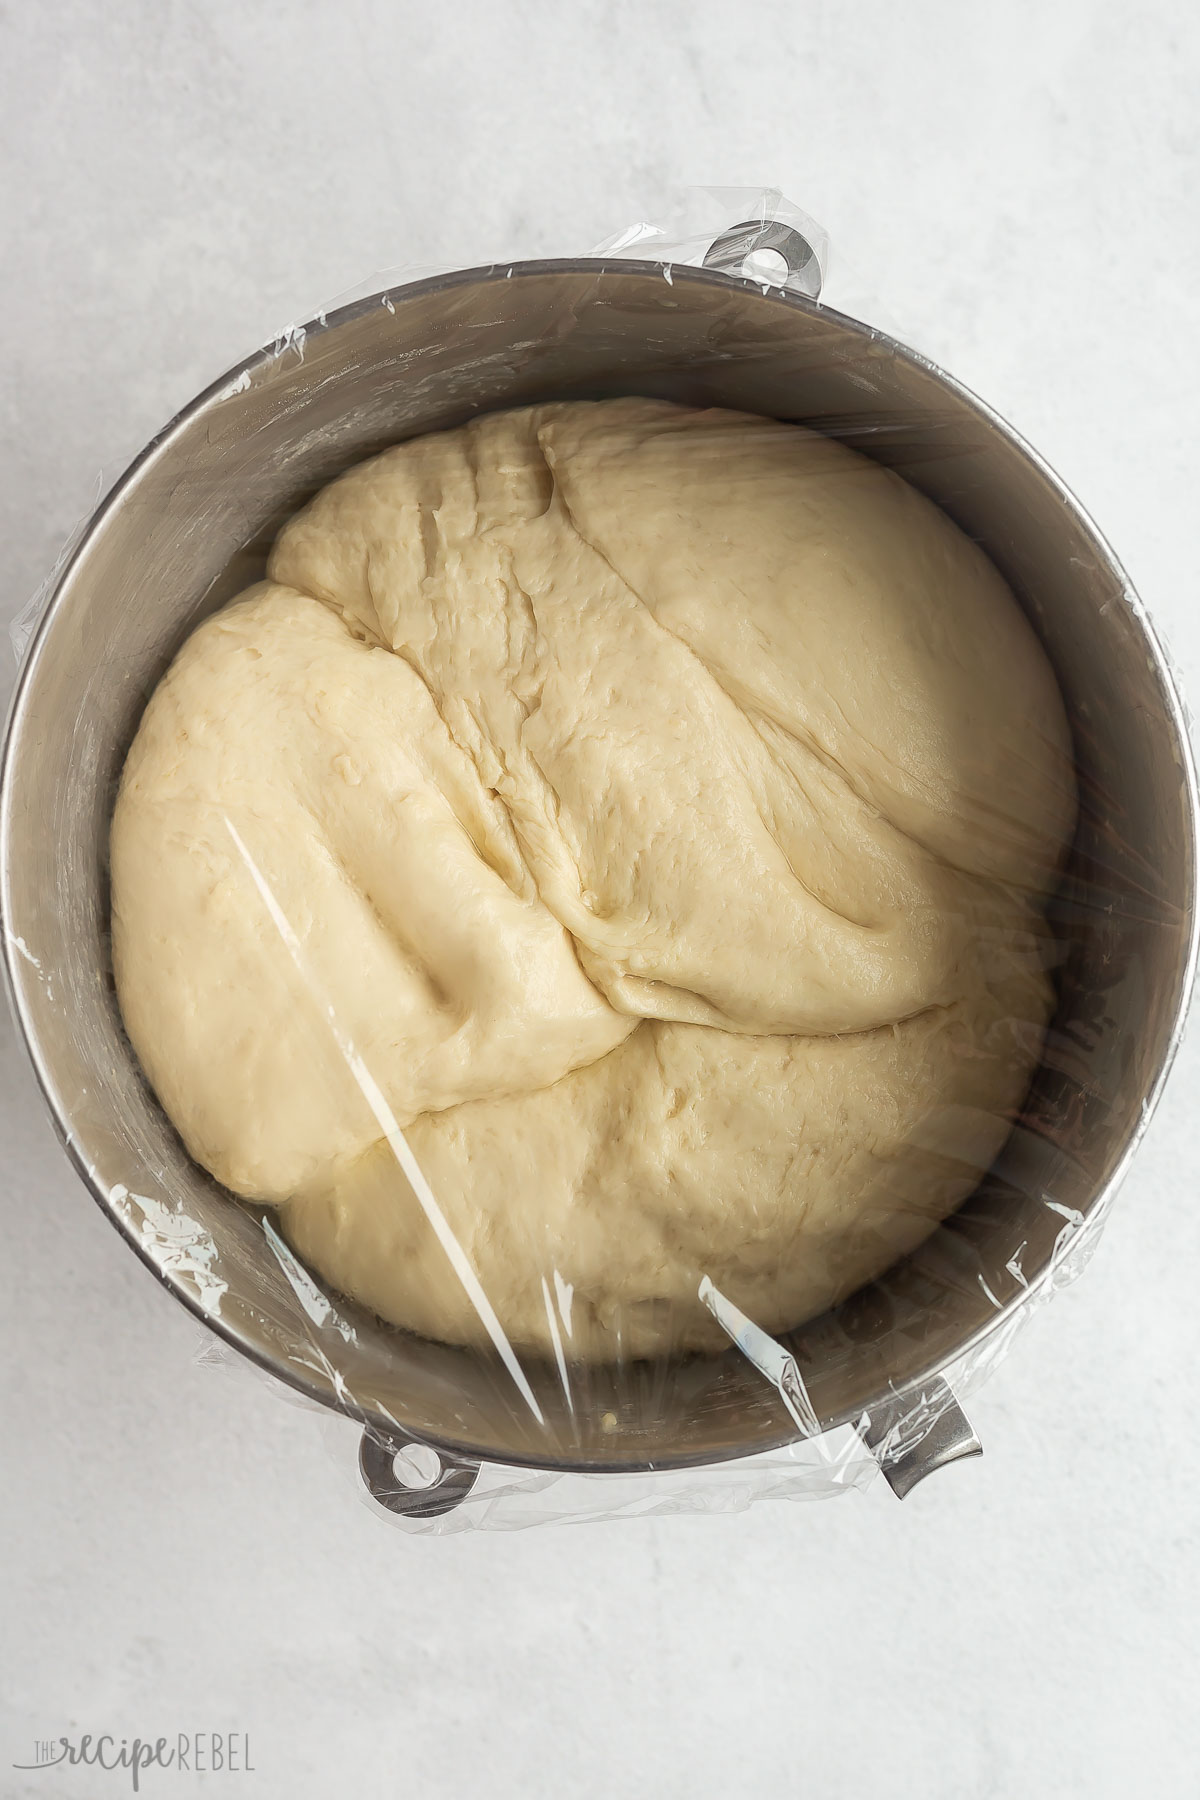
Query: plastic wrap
[[501, 1422]]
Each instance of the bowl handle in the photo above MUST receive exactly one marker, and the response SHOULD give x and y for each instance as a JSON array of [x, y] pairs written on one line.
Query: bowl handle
[[913, 1433], [377, 1459], [728, 253]]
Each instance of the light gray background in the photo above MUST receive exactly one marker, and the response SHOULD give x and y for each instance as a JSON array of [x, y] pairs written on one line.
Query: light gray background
[[1016, 184]]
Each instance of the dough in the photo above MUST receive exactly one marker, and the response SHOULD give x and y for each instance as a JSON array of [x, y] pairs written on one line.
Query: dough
[[648, 814]]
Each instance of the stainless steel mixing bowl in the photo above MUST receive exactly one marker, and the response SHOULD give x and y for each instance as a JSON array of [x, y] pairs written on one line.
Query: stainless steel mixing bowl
[[189, 524]]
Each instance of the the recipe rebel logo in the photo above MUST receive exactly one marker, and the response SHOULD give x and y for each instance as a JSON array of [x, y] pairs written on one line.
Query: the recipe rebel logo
[[186, 1753]]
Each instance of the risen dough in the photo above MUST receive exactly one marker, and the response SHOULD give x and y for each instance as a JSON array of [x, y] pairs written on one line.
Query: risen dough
[[647, 810]]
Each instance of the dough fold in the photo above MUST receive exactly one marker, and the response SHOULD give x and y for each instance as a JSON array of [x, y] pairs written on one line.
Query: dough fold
[[650, 810]]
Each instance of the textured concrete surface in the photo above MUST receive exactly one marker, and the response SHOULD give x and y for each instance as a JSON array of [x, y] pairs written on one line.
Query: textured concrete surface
[[1013, 188]]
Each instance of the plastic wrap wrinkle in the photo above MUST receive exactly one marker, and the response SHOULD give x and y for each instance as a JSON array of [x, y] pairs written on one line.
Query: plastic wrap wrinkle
[[394, 1137], [773, 1362], [317, 1304], [175, 1242]]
